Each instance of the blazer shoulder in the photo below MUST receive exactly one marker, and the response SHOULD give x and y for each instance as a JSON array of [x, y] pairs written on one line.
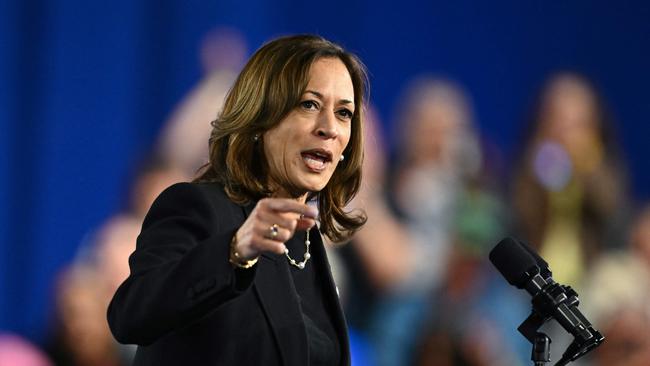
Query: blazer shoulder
[[190, 192], [192, 199]]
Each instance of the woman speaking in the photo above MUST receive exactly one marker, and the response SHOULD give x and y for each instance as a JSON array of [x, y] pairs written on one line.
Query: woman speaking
[[231, 269]]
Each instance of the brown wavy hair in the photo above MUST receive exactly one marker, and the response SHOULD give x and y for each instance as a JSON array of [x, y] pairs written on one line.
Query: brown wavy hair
[[267, 89]]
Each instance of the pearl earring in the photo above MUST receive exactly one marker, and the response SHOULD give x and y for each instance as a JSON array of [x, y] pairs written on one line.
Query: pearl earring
[[342, 158], [256, 137]]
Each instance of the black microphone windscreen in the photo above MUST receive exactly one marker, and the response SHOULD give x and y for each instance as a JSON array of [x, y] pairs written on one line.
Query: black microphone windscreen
[[544, 270], [513, 261]]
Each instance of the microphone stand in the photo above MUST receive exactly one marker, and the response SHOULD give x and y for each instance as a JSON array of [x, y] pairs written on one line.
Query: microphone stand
[[550, 301], [541, 349]]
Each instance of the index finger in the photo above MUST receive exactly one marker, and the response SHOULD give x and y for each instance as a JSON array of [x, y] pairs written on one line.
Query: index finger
[[288, 205]]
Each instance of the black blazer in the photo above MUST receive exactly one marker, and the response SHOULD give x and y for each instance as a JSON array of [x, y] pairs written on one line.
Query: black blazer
[[184, 303]]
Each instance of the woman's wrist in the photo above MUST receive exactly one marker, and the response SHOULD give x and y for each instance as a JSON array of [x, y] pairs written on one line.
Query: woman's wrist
[[236, 259]]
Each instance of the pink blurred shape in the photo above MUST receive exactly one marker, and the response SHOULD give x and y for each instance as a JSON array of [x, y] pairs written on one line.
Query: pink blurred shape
[[15, 351]]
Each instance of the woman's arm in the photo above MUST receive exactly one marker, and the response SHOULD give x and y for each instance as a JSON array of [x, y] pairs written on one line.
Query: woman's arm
[[180, 269]]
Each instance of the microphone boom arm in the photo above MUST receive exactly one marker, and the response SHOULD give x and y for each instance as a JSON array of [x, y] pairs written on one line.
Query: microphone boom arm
[[554, 301]]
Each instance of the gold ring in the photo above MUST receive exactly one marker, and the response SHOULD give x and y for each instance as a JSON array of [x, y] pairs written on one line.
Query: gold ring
[[273, 231]]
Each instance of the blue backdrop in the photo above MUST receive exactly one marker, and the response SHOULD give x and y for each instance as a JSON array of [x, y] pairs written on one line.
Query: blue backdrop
[[86, 85]]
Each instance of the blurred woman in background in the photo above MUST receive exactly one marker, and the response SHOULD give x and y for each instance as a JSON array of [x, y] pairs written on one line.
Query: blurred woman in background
[[569, 188]]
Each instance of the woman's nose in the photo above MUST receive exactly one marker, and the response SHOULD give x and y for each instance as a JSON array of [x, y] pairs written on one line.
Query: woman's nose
[[327, 126]]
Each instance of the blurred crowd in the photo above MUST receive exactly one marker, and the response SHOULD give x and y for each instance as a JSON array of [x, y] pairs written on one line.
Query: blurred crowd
[[415, 282]]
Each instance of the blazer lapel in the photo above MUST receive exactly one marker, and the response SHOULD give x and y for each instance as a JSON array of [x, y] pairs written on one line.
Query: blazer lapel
[[279, 299], [331, 294]]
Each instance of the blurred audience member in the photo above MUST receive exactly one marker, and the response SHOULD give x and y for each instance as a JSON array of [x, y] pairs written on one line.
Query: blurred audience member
[[383, 244], [112, 247], [379, 256], [437, 156], [474, 314], [182, 142], [15, 351], [152, 176], [617, 298], [82, 336], [569, 189]]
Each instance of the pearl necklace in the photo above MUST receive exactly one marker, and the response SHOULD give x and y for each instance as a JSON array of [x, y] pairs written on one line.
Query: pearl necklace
[[306, 256]]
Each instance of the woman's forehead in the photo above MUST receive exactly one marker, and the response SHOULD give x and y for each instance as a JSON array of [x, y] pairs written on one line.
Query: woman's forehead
[[330, 78]]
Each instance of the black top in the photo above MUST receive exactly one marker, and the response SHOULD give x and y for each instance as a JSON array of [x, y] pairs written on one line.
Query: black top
[[324, 348], [184, 303]]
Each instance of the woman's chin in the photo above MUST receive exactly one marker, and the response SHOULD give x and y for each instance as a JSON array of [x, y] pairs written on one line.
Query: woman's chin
[[312, 185]]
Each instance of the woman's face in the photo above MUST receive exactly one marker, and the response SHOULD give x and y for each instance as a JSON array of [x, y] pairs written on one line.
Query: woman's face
[[570, 118], [570, 113], [305, 147]]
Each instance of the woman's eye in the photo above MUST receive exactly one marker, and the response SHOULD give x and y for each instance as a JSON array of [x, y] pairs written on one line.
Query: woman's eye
[[309, 104], [346, 113]]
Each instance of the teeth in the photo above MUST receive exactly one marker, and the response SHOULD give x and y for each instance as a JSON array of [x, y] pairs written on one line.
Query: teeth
[[320, 155], [315, 164]]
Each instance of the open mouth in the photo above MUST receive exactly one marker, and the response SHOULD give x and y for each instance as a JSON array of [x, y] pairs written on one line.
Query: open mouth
[[316, 159]]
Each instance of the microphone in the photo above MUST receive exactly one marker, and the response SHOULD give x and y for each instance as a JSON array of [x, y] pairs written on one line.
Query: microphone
[[523, 268], [541, 263]]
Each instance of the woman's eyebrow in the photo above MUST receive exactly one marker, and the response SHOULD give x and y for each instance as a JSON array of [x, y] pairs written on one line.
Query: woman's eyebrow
[[319, 95]]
